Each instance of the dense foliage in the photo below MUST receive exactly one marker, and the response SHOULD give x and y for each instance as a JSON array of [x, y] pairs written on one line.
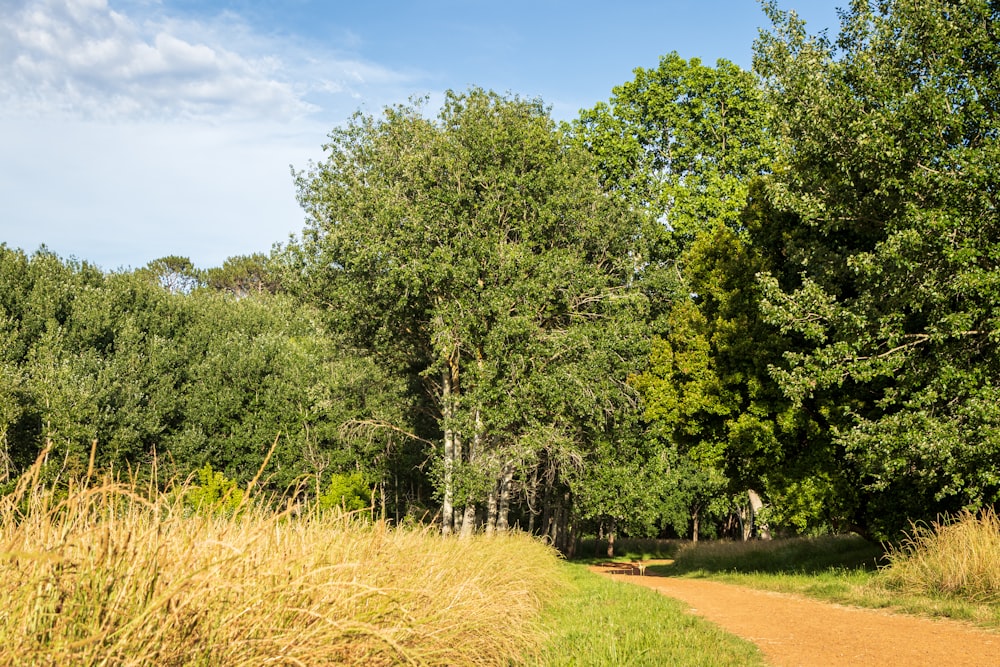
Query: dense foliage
[[479, 252], [721, 302], [188, 379], [885, 197]]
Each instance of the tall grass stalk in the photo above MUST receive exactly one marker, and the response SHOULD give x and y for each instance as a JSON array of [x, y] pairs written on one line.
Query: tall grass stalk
[[958, 556], [112, 574]]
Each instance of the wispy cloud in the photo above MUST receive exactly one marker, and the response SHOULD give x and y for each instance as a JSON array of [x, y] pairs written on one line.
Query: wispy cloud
[[83, 58]]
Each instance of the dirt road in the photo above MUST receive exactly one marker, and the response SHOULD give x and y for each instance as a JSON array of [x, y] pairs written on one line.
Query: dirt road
[[798, 632]]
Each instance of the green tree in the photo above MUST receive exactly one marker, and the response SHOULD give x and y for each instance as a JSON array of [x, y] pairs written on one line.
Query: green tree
[[243, 275], [684, 141], [197, 377], [681, 142], [889, 144], [479, 251], [176, 274]]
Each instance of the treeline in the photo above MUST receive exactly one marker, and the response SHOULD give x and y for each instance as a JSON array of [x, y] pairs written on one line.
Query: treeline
[[722, 302], [155, 366]]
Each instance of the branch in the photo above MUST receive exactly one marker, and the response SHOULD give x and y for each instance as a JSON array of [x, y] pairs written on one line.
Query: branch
[[354, 426], [918, 339]]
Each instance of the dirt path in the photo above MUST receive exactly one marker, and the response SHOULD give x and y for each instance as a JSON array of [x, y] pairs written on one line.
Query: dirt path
[[798, 632]]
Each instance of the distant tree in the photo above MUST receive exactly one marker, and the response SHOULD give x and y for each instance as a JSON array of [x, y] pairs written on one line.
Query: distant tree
[[195, 378], [243, 275], [175, 274]]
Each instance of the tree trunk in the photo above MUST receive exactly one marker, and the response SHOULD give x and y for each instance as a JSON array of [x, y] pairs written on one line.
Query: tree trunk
[[745, 514], [468, 520], [491, 511], [562, 526], [503, 512], [381, 486], [577, 540], [475, 450], [552, 527], [457, 461], [447, 412], [546, 522], [695, 518], [611, 538], [531, 496], [756, 505]]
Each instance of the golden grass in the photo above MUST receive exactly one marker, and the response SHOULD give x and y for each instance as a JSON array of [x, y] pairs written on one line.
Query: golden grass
[[957, 557], [110, 574]]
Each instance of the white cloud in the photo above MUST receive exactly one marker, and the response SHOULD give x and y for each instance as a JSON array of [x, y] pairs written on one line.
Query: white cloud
[[127, 134], [84, 59]]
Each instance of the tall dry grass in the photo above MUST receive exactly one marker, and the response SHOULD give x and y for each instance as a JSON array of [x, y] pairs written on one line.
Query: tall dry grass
[[111, 574], [804, 555], [958, 556]]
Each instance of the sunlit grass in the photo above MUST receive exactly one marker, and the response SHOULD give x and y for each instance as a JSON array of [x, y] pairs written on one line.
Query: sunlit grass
[[118, 575], [956, 557], [849, 570], [803, 555], [597, 622]]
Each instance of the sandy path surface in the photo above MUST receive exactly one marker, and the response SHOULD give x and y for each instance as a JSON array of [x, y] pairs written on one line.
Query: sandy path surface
[[797, 632]]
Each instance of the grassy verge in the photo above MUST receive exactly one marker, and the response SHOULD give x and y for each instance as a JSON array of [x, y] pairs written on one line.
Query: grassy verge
[[117, 575], [800, 555], [601, 623], [848, 570]]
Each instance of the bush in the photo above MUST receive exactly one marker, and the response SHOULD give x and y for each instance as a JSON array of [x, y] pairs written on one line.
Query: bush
[[959, 557], [214, 494], [347, 492]]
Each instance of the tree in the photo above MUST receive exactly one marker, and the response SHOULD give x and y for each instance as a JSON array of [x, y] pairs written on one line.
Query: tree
[[681, 141], [889, 145], [685, 141], [243, 275], [479, 251], [175, 274], [197, 377]]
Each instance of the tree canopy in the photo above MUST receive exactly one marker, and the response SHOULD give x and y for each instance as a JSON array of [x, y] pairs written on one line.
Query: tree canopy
[[479, 250], [886, 178]]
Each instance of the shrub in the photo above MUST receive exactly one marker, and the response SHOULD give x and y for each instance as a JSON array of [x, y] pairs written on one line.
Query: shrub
[[958, 556], [347, 492], [214, 494]]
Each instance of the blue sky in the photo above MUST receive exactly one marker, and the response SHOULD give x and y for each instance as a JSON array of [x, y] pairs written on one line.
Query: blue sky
[[135, 129]]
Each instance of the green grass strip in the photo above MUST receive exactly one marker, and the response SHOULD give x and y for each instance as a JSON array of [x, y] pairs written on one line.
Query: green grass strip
[[599, 622]]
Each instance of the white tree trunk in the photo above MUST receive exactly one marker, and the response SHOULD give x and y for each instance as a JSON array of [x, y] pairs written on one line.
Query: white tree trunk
[[447, 412], [503, 511], [468, 521], [756, 505], [475, 448], [491, 511]]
